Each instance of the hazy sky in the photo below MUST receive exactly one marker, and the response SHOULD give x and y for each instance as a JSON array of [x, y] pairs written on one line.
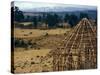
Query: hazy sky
[[28, 5]]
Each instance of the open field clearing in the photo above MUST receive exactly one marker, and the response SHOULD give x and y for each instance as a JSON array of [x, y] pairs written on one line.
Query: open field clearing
[[29, 61], [26, 33]]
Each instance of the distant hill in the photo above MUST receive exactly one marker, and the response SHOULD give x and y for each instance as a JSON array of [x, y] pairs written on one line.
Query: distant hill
[[60, 8], [91, 13], [35, 9]]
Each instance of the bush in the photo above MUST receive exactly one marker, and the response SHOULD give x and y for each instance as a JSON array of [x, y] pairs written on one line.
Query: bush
[[46, 34], [65, 34], [30, 33], [25, 35], [32, 62], [20, 43]]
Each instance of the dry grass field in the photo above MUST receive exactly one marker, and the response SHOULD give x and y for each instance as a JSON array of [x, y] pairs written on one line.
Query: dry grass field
[[37, 32], [29, 60]]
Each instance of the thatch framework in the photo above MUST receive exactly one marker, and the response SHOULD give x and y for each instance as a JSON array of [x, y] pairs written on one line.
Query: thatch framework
[[78, 50]]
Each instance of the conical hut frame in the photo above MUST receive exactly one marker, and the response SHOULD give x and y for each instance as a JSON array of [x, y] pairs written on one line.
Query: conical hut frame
[[77, 51]]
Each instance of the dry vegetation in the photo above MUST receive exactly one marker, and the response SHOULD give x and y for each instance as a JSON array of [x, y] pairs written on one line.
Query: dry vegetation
[[40, 45], [29, 60], [21, 33]]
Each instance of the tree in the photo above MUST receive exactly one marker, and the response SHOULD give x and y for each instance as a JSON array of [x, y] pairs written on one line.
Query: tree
[[44, 18], [55, 19], [35, 21], [73, 20], [66, 18], [18, 14], [52, 20], [28, 18], [39, 18], [84, 15], [49, 20]]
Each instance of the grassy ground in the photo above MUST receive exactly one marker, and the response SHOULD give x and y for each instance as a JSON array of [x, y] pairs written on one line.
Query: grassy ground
[[37, 32], [30, 60]]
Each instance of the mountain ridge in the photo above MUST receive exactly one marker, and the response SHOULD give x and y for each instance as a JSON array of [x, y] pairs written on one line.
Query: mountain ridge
[[56, 9]]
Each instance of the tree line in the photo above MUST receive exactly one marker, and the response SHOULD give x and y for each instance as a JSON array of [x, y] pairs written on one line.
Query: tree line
[[52, 20]]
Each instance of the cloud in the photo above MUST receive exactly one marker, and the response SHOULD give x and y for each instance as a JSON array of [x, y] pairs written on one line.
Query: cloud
[[33, 5]]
